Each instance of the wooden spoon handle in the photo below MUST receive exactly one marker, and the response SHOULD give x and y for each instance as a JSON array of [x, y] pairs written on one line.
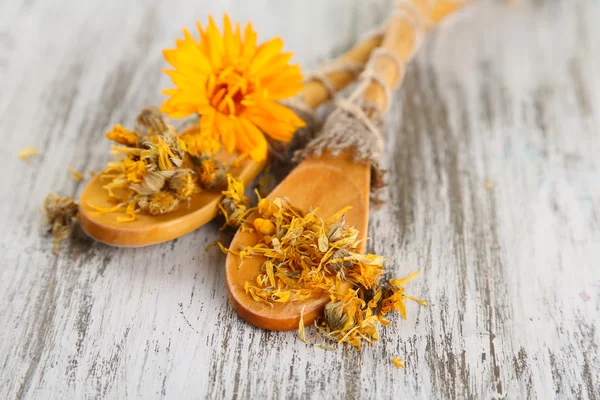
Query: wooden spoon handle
[[316, 93], [410, 21]]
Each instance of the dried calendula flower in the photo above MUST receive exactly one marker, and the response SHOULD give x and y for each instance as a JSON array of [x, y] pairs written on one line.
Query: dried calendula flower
[[183, 183], [264, 226], [150, 174], [150, 122], [234, 205], [335, 317], [158, 203], [60, 213], [307, 256], [211, 172]]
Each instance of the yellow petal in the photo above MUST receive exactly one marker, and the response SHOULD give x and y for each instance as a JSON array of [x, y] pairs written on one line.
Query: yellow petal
[[249, 46], [215, 44], [250, 139], [264, 54], [277, 130]]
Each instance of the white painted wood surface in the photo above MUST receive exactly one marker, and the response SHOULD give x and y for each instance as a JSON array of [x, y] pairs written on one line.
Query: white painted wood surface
[[507, 95]]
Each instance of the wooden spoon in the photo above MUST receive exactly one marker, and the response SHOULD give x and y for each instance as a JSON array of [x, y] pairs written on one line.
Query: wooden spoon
[[147, 230], [327, 183]]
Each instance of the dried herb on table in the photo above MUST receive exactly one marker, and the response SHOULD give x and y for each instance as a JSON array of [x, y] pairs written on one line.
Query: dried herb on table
[[60, 213], [27, 152], [398, 362], [76, 175]]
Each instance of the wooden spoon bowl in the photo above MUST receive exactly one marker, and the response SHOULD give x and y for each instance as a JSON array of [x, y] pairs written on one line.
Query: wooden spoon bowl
[[148, 229], [327, 183], [330, 182]]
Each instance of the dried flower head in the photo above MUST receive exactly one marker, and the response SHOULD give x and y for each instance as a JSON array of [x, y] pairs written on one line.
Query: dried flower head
[[150, 174], [158, 203], [234, 205], [60, 213], [211, 172], [234, 84]]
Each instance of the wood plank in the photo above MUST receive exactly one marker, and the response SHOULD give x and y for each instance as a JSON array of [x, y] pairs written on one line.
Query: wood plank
[[505, 95]]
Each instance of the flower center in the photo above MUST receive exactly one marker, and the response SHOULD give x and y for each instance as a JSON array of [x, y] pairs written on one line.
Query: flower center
[[227, 90]]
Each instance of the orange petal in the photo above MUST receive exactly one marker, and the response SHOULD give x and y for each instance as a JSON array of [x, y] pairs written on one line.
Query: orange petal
[[207, 122], [277, 112], [250, 139], [228, 41], [275, 65], [226, 131], [249, 46], [276, 129], [264, 54], [216, 44]]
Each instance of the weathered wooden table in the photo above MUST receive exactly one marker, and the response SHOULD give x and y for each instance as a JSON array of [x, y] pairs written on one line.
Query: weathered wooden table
[[494, 156]]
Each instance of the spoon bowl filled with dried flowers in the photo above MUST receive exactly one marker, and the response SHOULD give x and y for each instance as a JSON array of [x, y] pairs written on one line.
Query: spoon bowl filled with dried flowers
[[298, 259], [167, 203]]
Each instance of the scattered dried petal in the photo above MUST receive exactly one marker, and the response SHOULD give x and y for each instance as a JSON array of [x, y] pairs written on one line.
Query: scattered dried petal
[[76, 175], [27, 152], [398, 362]]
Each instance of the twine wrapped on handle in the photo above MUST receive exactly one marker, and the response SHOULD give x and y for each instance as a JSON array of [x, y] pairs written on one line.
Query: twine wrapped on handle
[[321, 75], [356, 124]]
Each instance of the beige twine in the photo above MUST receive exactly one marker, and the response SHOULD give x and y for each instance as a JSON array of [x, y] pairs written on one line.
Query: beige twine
[[357, 125], [304, 135], [320, 75]]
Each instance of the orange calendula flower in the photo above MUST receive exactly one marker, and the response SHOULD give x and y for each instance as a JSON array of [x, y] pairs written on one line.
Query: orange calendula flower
[[234, 84]]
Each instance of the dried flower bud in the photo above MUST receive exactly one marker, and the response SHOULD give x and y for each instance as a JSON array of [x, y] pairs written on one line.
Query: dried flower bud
[[212, 173], [153, 182], [335, 316], [234, 204], [266, 208], [150, 121], [183, 182], [336, 232], [264, 226], [158, 203], [60, 213], [338, 265]]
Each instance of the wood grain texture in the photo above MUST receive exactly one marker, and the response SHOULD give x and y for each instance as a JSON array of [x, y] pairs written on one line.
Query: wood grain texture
[[507, 95]]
